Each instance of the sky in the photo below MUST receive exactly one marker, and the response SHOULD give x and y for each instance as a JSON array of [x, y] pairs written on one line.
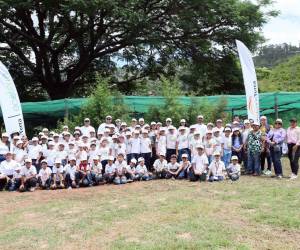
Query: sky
[[286, 26]]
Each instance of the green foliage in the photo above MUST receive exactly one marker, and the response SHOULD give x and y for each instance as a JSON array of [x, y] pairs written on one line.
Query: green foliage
[[262, 73], [173, 108], [101, 103], [283, 77], [63, 44]]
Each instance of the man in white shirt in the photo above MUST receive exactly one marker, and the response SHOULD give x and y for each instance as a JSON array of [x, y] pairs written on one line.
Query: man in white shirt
[[182, 144], [200, 125], [146, 148], [29, 180], [106, 124], [70, 173], [110, 170], [135, 143], [87, 128], [7, 169]]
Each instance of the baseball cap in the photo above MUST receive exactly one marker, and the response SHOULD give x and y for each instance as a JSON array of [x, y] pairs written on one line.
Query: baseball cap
[[217, 153], [96, 157], [35, 139], [72, 158], [184, 156], [28, 160], [234, 157], [182, 120], [133, 160], [227, 129], [278, 121], [5, 135], [57, 161], [200, 117], [44, 161], [168, 120], [110, 158], [87, 119], [19, 142], [140, 159], [199, 146]]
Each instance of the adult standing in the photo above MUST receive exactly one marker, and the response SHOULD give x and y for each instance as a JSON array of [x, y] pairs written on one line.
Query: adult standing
[[293, 141], [200, 126], [106, 124], [87, 128], [4, 146], [254, 146], [275, 138]]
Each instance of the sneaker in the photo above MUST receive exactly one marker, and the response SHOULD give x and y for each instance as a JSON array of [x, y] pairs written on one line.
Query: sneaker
[[69, 188], [279, 176], [293, 177], [268, 173], [32, 189]]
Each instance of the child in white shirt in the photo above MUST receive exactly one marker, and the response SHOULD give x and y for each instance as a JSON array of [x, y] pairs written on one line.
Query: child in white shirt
[[173, 166], [216, 168], [234, 169], [141, 170], [160, 167], [96, 170], [198, 170], [44, 176]]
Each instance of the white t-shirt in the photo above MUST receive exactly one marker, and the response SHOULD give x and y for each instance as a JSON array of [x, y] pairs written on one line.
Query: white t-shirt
[[28, 171], [145, 145], [71, 170], [171, 141], [160, 165], [61, 155], [8, 167], [19, 154], [86, 130], [109, 169], [97, 168], [104, 152], [162, 144], [201, 162], [217, 168], [120, 165], [102, 126], [141, 169], [34, 151], [135, 145], [201, 128], [183, 141], [217, 144], [173, 167], [50, 155], [44, 174], [3, 148], [56, 170], [128, 146], [227, 142]]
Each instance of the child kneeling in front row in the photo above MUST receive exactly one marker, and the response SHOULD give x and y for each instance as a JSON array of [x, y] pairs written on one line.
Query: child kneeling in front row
[[234, 169], [217, 170]]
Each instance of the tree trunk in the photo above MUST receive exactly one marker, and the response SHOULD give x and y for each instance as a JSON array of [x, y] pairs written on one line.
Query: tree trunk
[[58, 91]]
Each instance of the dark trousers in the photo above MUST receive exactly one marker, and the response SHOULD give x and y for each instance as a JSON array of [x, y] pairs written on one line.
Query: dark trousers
[[184, 151], [170, 151], [294, 158], [3, 183], [30, 183], [136, 156], [147, 157], [193, 177], [276, 159], [238, 154], [128, 157], [69, 181], [15, 184], [263, 156], [47, 183]]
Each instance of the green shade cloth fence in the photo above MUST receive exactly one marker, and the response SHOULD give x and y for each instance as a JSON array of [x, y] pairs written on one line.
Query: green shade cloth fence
[[236, 104]]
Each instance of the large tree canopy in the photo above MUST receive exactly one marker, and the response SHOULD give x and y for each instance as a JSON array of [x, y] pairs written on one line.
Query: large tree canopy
[[57, 42]]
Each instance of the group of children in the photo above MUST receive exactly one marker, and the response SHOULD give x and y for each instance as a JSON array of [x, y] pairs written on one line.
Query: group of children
[[119, 154]]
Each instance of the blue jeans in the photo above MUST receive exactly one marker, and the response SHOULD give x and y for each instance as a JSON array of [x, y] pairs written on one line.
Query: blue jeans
[[276, 159], [2, 158], [253, 162], [226, 157]]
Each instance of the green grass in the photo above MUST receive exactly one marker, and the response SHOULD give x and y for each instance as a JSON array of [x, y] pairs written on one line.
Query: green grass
[[254, 213]]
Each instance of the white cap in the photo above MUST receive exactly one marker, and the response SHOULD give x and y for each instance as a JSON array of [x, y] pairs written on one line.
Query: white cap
[[136, 132], [108, 117], [246, 121], [35, 139], [227, 129], [162, 129], [215, 130], [210, 124], [44, 161], [45, 130], [181, 128], [28, 160], [199, 145], [209, 132], [263, 117], [19, 142], [16, 137], [171, 127], [57, 161], [133, 160], [65, 127], [133, 120], [123, 124], [182, 120], [72, 158], [235, 123], [197, 132], [144, 131], [86, 119], [111, 158], [255, 124], [128, 133], [137, 126], [77, 128], [107, 130], [235, 129], [184, 156], [193, 126], [114, 136], [141, 120], [56, 135], [200, 117], [279, 120], [51, 143], [217, 153], [76, 133], [168, 120], [219, 120], [162, 154], [96, 158], [234, 157], [153, 123], [83, 158], [5, 135], [140, 159], [146, 126], [71, 143]]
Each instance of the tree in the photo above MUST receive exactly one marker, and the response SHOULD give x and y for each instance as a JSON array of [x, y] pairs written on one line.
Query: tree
[[59, 41]]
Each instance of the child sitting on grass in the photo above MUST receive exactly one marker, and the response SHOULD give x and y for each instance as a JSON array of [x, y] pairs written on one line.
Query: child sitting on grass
[[217, 169], [234, 169]]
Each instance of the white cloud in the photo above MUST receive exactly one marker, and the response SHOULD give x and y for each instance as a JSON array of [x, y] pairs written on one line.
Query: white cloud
[[285, 27]]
